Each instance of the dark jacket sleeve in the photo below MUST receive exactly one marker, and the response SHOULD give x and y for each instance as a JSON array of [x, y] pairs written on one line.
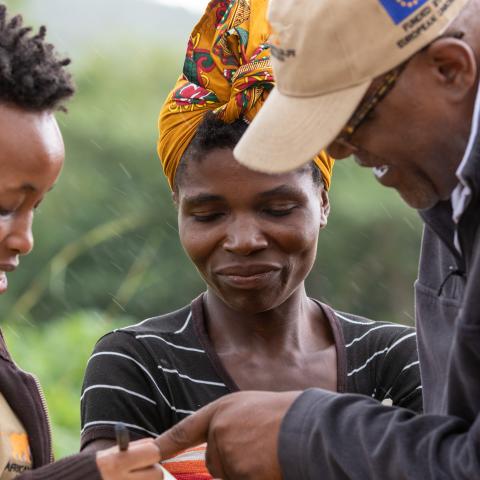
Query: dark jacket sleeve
[[82, 466], [336, 437], [340, 437]]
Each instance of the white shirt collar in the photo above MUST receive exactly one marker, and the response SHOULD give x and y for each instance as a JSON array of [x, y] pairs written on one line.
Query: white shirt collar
[[462, 193]]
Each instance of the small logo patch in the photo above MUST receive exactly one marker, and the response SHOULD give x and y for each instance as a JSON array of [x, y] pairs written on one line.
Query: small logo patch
[[399, 10], [276, 49], [20, 447], [282, 54]]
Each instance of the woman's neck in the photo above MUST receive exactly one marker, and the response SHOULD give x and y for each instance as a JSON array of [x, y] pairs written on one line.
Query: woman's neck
[[298, 324]]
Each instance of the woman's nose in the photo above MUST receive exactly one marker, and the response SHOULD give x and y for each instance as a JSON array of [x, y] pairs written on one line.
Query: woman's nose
[[244, 238], [20, 238]]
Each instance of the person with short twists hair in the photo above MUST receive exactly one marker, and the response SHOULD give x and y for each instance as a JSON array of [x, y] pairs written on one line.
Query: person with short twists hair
[[34, 84], [31, 74], [253, 239]]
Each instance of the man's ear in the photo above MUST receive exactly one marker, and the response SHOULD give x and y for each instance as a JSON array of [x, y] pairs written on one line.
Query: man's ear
[[324, 207], [455, 67]]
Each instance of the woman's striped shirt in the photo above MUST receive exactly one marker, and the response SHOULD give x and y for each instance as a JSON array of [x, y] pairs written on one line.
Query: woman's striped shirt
[[151, 375]]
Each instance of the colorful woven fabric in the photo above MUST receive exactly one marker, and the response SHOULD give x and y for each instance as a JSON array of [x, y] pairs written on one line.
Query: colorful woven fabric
[[227, 71], [189, 465]]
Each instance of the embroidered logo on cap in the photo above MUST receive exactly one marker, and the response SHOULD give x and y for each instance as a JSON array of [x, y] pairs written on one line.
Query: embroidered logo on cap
[[282, 54], [399, 10], [275, 43]]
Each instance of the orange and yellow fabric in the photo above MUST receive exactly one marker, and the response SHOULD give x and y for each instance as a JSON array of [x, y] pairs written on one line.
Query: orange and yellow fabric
[[227, 70], [189, 465]]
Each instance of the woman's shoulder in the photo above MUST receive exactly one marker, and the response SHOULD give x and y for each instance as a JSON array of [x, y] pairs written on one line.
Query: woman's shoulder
[[357, 329], [381, 360], [175, 322], [173, 331]]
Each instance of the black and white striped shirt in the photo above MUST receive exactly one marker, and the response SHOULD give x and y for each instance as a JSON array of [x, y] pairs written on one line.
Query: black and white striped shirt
[[151, 375]]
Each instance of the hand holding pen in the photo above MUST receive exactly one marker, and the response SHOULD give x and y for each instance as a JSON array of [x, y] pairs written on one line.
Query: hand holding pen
[[127, 460]]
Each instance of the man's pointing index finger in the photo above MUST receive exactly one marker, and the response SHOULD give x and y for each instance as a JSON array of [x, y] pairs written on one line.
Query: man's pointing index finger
[[190, 432]]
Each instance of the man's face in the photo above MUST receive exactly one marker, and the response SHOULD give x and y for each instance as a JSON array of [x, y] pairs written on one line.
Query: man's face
[[415, 138]]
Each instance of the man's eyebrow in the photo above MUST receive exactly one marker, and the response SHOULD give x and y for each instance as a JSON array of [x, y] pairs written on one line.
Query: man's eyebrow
[[202, 198], [285, 189]]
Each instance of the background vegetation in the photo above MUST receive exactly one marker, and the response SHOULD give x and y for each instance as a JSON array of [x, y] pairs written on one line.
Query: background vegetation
[[106, 242]]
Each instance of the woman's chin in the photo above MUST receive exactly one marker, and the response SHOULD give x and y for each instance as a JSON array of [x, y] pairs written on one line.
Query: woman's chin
[[252, 303]]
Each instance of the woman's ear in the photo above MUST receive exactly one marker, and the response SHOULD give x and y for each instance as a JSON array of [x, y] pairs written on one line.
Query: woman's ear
[[175, 198], [324, 207]]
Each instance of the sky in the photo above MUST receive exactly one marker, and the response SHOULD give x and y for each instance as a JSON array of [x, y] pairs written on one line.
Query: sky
[[196, 6]]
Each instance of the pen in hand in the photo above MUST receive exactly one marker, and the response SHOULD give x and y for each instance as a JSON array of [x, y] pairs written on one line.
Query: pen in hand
[[123, 436]]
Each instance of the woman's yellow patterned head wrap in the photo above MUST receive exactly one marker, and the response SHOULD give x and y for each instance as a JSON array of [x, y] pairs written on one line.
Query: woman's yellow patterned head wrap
[[227, 70]]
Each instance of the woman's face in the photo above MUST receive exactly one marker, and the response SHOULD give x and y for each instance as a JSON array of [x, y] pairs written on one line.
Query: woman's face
[[252, 236], [31, 157]]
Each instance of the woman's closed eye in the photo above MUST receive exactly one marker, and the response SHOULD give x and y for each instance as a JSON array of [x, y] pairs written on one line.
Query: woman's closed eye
[[207, 216], [280, 210], [6, 212]]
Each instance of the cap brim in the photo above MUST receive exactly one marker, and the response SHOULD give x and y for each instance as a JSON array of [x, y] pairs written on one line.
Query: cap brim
[[289, 131]]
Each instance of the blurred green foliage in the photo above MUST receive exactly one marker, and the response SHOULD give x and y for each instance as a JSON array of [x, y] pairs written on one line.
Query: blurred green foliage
[[60, 369], [106, 236], [106, 240]]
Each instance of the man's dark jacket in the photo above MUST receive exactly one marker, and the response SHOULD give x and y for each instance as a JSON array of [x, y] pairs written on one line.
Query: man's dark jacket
[[333, 437]]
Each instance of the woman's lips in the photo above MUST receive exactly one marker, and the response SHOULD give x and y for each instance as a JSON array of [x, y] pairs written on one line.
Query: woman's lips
[[3, 282], [251, 281], [248, 277], [9, 267]]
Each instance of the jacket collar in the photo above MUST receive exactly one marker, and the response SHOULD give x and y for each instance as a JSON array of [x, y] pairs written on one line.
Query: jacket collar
[[470, 170], [439, 219]]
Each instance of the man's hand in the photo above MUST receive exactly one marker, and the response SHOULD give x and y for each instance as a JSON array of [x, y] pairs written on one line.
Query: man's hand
[[139, 462], [242, 432]]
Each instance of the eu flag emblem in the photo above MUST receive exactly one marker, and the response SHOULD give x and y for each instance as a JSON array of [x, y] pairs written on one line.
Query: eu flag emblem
[[399, 10]]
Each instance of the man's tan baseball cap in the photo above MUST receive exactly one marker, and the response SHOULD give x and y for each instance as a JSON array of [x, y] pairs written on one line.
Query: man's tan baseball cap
[[325, 54]]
